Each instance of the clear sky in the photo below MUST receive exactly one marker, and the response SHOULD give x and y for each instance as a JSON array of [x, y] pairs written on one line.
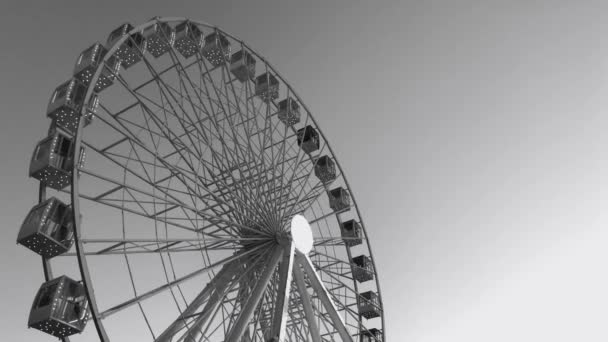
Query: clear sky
[[473, 134]]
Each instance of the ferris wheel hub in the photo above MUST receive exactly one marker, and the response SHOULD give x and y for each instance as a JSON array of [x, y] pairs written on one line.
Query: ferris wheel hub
[[301, 234]]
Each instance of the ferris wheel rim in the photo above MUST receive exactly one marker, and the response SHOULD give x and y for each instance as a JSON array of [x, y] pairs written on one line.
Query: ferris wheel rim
[[75, 196]]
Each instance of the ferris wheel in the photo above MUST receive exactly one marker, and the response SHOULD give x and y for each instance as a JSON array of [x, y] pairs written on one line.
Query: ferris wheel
[[187, 194]]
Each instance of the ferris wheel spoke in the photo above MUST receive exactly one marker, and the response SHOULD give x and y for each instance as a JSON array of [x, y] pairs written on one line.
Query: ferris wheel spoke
[[267, 143], [279, 192], [247, 156], [282, 150], [258, 325], [333, 240], [252, 114], [178, 173], [335, 279], [339, 284], [169, 221], [327, 322], [317, 254], [306, 305], [154, 184], [277, 163], [303, 179], [217, 284], [218, 300], [238, 105], [236, 332], [128, 247], [202, 325], [234, 197], [251, 152], [302, 203], [279, 316], [173, 202], [141, 99], [210, 111], [222, 102], [154, 292], [324, 295], [323, 320], [296, 327], [222, 107], [166, 131]]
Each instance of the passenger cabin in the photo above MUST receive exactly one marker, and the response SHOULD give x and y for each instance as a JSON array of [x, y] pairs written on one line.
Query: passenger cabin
[[363, 268], [371, 335], [242, 65], [267, 87], [308, 139], [188, 39], [339, 199], [351, 233], [159, 38], [60, 308], [131, 49], [65, 106], [53, 160], [91, 59], [289, 111], [48, 228], [369, 305], [216, 49], [325, 169]]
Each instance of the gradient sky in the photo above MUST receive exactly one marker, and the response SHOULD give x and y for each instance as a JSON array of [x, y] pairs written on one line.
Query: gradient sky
[[473, 134]]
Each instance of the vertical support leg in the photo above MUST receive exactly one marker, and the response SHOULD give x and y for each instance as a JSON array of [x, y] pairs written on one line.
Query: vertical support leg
[[196, 331], [324, 295], [247, 311], [279, 317], [315, 334], [217, 283]]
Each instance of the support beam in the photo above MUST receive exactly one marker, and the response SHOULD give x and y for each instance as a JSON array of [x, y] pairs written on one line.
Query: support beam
[[244, 318], [324, 295], [221, 287], [166, 286], [218, 283], [315, 334], [280, 316]]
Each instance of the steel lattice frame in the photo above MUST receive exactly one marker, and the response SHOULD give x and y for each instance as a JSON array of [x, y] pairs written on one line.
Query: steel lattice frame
[[191, 175]]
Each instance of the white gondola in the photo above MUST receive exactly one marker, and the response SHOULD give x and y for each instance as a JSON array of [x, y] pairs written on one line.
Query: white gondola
[[325, 169], [88, 62], [242, 65], [267, 87], [289, 111], [188, 39], [351, 233], [308, 139], [65, 105], [363, 268], [48, 229], [52, 161], [339, 199], [369, 305], [60, 308], [216, 49], [131, 50], [159, 37], [371, 335]]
